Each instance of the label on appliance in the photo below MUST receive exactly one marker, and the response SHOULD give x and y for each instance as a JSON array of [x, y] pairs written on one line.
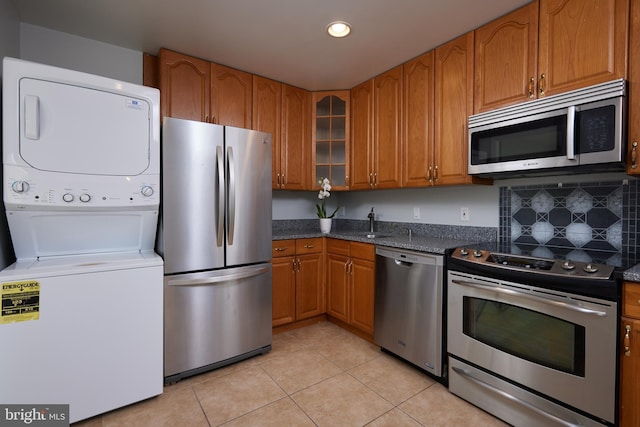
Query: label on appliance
[[134, 103], [20, 301]]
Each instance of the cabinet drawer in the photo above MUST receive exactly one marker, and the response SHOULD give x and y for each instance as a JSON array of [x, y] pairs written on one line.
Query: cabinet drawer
[[631, 300], [337, 246], [309, 246], [280, 248], [363, 251]]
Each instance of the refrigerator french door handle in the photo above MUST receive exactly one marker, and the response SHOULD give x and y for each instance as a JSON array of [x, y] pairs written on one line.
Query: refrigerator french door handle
[[231, 170], [220, 225], [221, 278]]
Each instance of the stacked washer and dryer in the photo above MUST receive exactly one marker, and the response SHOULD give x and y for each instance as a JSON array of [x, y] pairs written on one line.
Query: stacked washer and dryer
[[82, 306]]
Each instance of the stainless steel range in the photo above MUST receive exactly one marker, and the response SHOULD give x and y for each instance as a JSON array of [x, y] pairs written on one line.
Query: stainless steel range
[[534, 340]]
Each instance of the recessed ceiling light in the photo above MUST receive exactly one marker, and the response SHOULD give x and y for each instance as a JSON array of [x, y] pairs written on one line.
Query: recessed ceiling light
[[339, 29]]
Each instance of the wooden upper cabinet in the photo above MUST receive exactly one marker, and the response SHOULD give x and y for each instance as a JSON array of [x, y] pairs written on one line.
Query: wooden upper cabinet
[[453, 104], [633, 166], [549, 47], [376, 131], [387, 137], [361, 135], [506, 52], [266, 115], [581, 43], [184, 86], [295, 144], [330, 151], [417, 152], [231, 96], [195, 89]]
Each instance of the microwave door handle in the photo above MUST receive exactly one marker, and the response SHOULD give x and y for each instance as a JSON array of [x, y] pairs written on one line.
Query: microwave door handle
[[571, 118]]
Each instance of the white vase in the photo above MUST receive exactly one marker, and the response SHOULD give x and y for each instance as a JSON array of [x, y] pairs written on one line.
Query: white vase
[[325, 225]]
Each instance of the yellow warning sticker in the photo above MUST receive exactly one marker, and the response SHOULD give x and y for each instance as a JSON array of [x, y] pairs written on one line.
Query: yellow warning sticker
[[20, 301]]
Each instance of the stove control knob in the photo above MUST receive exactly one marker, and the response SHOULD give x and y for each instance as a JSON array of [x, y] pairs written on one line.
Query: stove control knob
[[67, 197], [477, 253], [590, 268], [568, 265], [464, 252], [84, 197]]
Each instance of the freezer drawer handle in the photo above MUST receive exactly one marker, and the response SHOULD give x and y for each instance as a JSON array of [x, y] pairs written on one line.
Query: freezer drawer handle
[[217, 279], [512, 398]]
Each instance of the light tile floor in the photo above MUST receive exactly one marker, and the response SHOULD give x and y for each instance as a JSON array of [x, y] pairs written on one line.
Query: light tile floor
[[320, 375]]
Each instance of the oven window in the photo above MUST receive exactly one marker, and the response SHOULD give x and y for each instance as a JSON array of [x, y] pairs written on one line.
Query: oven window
[[527, 334], [525, 141]]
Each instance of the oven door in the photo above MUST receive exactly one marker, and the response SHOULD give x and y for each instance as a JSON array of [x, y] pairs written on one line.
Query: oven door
[[555, 344]]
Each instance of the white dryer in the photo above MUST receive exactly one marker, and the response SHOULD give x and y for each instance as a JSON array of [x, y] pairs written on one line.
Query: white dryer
[[81, 320]]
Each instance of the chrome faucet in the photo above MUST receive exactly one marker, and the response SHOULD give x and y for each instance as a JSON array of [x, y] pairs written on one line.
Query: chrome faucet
[[372, 218]]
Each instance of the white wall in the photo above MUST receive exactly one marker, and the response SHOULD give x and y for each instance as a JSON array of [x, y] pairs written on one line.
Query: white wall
[[39, 44], [437, 205]]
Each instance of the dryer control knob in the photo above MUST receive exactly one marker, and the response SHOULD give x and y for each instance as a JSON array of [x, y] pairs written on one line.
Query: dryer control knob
[[147, 191], [85, 198], [67, 197], [20, 186]]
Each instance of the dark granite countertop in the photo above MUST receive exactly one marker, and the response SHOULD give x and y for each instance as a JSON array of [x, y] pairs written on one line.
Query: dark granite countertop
[[436, 245], [632, 274]]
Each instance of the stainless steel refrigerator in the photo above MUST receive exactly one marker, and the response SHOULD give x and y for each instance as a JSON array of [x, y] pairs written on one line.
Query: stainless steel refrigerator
[[215, 238]]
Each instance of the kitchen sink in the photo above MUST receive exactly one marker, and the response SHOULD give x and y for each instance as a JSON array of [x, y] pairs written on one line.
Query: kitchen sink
[[376, 235]]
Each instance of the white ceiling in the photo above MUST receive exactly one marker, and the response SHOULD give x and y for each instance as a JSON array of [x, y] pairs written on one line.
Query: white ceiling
[[281, 39]]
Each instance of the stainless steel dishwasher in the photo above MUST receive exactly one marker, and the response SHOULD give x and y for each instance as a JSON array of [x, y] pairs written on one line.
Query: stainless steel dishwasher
[[408, 306]]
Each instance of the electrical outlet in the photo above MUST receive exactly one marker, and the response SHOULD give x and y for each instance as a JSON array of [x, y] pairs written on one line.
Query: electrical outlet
[[342, 212], [464, 214], [416, 213]]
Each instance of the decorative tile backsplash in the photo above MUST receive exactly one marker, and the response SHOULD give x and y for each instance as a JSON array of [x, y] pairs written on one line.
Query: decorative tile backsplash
[[600, 216]]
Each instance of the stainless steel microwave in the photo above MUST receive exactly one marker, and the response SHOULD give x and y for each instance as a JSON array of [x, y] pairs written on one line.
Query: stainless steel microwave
[[578, 131]]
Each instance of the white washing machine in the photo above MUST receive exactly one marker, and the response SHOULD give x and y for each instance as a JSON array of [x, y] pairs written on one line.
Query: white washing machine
[[81, 321]]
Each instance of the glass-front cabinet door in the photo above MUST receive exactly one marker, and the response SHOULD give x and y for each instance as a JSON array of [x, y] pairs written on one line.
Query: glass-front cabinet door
[[331, 138]]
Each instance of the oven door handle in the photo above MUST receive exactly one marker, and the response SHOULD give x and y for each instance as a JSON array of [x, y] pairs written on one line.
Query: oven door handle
[[545, 300], [512, 398]]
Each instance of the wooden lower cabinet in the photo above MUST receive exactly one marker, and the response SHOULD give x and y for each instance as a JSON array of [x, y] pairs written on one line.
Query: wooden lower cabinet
[[351, 283], [297, 280], [630, 356]]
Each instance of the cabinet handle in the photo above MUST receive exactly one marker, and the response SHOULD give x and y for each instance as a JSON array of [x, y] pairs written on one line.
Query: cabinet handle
[[346, 181], [541, 84], [531, 87], [634, 154], [206, 118], [293, 265], [346, 267], [375, 179], [371, 179], [429, 177], [280, 249], [309, 246], [435, 173], [627, 339]]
